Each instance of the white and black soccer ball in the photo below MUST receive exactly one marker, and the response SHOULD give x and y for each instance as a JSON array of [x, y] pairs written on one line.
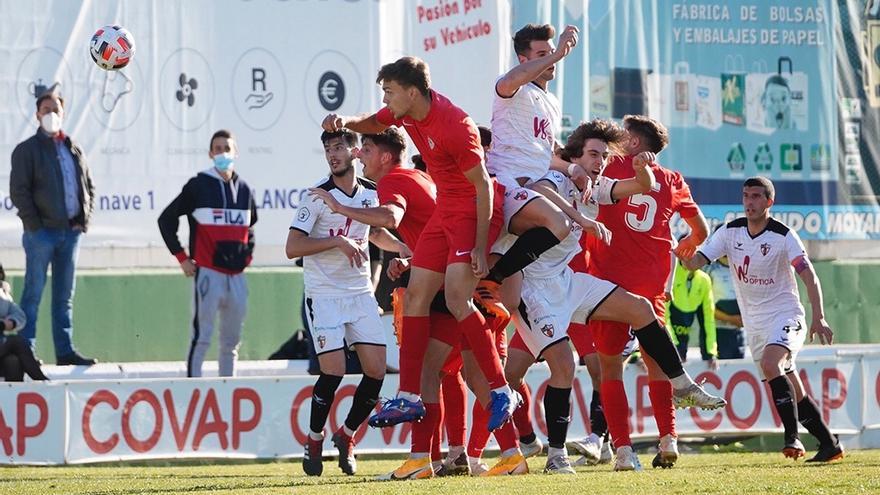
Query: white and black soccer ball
[[112, 47]]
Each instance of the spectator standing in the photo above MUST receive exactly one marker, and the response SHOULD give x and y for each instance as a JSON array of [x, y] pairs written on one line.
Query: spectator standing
[[221, 214], [52, 188]]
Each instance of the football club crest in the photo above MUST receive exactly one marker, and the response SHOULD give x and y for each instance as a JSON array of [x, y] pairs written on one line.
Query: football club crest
[[547, 330], [322, 341], [430, 143], [520, 195], [765, 248]]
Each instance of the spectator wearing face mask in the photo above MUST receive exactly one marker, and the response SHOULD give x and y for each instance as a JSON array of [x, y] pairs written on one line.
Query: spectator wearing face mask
[[221, 213], [52, 188]]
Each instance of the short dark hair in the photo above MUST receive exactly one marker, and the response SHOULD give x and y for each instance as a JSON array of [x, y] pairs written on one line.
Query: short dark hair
[[47, 96], [603, 130], [390, 140], [418, 163], [652, 132], [348, 137], [777, 80], [760, 181], [485, 135], [522, 40], [222, 133], [408, 72]]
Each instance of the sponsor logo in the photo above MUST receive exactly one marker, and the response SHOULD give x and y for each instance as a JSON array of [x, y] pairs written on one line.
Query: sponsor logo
[[547, 330], [331, 91], [462, 253], [742, 273], [765, 248], [738, 246], [303, 214], [520, 195], [542, 129], [342, 230], [227, 217], [366, 203], [796, 327]]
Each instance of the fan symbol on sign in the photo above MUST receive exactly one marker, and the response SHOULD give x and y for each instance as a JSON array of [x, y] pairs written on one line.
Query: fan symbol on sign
[[187, 90]]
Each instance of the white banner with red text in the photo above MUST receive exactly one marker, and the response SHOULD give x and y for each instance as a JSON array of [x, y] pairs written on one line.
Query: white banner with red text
[[268, 417]]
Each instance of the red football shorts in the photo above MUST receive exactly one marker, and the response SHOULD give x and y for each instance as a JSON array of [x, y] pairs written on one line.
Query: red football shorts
[[449, 235]]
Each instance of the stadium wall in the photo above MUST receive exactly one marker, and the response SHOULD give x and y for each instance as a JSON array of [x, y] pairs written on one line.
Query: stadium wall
[[129, 316]]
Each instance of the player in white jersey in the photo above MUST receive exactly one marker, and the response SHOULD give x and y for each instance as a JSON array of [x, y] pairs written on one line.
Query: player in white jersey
[[341, 308], [526, 120], [553, 295], [762, 253]]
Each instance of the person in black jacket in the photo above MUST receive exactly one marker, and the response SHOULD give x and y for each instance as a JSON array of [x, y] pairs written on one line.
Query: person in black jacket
[[221, 214], [52, 188]]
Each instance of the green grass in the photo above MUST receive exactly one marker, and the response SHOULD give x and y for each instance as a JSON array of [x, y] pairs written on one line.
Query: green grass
[[740, 473]]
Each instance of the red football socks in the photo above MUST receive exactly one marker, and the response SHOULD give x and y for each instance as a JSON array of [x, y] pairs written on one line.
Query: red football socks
[[660, 393], [482, 344], [454, 408], [413, 345], [479, 431], [522, 416], [423, 431], [616, 408]]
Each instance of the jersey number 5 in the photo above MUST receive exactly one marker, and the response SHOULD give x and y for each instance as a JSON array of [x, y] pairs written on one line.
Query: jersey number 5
[[643, 219]]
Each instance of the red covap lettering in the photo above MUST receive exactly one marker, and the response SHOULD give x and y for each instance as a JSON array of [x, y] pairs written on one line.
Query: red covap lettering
[[23, 431], [210, 420]]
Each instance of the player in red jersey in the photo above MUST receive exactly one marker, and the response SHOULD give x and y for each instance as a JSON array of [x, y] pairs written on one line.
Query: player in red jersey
[[451, 251], [638, 259], [407, 198]]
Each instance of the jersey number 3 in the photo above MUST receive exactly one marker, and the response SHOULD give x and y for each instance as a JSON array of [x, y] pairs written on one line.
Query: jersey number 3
[[643, 219]]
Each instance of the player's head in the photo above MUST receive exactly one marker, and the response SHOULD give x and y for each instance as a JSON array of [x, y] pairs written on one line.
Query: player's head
[[418, 163], [340, 150], [591, 143], [777, 102], [403, 83], [50, 107], [645, 134], [535, 41], [382, 152], [485, 138], [758, 196]]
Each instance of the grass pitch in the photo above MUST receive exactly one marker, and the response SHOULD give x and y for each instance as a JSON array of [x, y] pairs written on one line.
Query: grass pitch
[[740, 473]]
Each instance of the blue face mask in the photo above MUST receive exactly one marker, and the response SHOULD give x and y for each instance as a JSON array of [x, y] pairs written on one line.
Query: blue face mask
[[224, 161]]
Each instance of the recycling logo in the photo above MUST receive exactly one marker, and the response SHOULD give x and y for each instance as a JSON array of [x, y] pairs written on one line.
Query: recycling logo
[[736, 158], [763, 157]]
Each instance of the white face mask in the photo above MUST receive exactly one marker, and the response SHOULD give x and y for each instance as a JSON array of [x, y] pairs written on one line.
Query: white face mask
[[51, 122]]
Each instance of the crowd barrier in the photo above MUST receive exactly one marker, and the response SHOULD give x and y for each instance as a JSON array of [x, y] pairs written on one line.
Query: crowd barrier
[[82, 421]]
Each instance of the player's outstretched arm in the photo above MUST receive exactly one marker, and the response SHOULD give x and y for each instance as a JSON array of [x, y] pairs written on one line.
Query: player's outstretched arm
[[642, 183], [529, 71], [819, 326], [387, 242], [699, 232], [364, 124], [388, 216], [695, 262]]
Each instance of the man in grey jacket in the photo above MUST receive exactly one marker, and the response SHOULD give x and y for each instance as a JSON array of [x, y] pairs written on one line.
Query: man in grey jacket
[[52, 188]]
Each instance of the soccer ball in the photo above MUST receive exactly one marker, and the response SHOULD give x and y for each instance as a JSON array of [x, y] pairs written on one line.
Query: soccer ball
[[112, 47]]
